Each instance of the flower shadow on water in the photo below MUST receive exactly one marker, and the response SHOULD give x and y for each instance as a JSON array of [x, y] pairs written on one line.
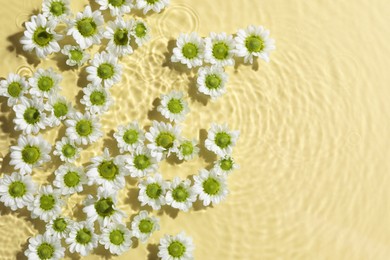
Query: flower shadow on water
[[153, 251], [20, 254], [154, 114], [176, 66], [194, 94], [207, 155], [111, 143], [18, 48]]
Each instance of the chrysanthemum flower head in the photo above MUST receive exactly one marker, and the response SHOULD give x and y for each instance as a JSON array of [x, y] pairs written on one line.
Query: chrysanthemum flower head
[[225, 165], [179, 247], [116, 238], [69, 179], [140, 32], [155, 5], [189, 50], [67, 150], [45, 83], [221, 139], [211, 81], [44, 247], [220, 49], [210, 187], [104, 70], [143, 225], [141, 162], [59, 108], [82, 238], [118, 33], [83, 128], [57, 10], [187, 149], [59, 227], [180, 194], [14, 87], [117, 7], [129, 137], [96, 99], [47, 204], [152, 191], [76, 55], [173, 106]]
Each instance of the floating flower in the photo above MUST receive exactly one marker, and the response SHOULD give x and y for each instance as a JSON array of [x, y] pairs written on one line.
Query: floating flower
[[189, 50], [177, 247], [143, 226], [119, 34], [116, 238], [44, 247], [187, 149], [82, 238], [13, 87], [155, 5], [47, 204], [152, 191], [221, 140], [211, 81], [67, 150], [210, 187], [180, 194], [96, 99], [104, 70], [225, 165], [44, 83], [59, 109], [173, 106], [141, 162], [83, 129], [117, 7], [69, 179], [162, 137], [76, 55], [141, 32], [56, 10], [59, 227], [220, 49], [129, 137]]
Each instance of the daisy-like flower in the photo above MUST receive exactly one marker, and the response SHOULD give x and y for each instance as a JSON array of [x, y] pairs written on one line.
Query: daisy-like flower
[[129, 137], [31, 151], [180, 194], [59, 109], [179, 247], [117, 7], [40, 36], [143, 226], [152, 191], [141, 162], [96, 99], [107, 171], [104, 70], [210, 187], [221, 140], [141, 32], [56, 10], [220, 49], [87, 29], [67, 150], [103, 208], [13, 87], [187, 149], [225, 165], [59, 227], [189, 50], [252, 42], [44, 247], [82, 238], [119, 34], [47, 204], [44, 83], [76, 55], [30, 116], [155, 5], [173, 106], [83, 129], [116, 238], [16, 190], [162, 138], [69, 179], [211, 81]]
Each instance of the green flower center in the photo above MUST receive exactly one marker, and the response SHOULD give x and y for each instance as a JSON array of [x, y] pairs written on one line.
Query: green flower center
[[47, 202], [190, 50], [121, 37], [152, 2], [87, 27], [76, 55], [83, 236], [175, 106], [104, 207], [165, 139], [14, 89], [116, 2], [17, 189], [220, 50], [59, 225], [105, 71], [140, 30], [45, 83], [153, 190], [60, 109], [186, 148], [68, 150], [31, 154], [71, 179], [226, 164], [180, 194], [97, 98], [141, 162], [84, 127], [222, 139], [45, 251], [57, 8], [130, 136], [32, 115], [108, 170], [254, 43], [145, 226], [41, 37], [117, 237], [211, 186], [213, 81], [176, 249]]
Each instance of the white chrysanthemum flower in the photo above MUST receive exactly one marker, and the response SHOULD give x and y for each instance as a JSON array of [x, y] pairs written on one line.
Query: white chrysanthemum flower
[[103, 208], [96, 99], [107, 171], [179, 247], [143, 226], [116, 238], [189, 50], [40, 36], [57, 10], [117, 7], [141, 162], [187, 149], [16, 190], [252, 42], [69, 179], [211, 81], [67, 150], [152, 191], [76, 55], [129, 137], [180, 194], [87, 29], [173, 106], [59, 227], [13, 87], [155, 5], [31, 151], [163, 139], [44, 83], [59, 108], [83, 129], [47, 204], [82, 238], [141, 32], [210, 187], [225, 165], [118, 33], [221, 140], [30, 116], [220, 49], [44, 247], [104, 70]]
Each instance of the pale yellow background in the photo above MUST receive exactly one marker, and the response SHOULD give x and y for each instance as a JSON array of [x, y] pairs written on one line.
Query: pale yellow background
[[314, 146]]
